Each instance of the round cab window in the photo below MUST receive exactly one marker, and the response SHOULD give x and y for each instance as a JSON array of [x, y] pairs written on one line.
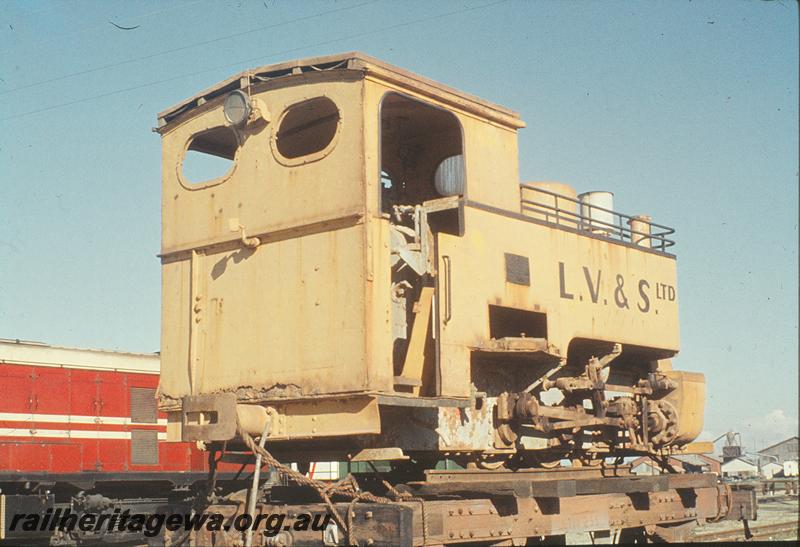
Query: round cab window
[[307, 128]]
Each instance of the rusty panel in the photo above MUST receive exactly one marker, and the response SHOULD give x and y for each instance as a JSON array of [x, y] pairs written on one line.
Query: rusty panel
[[504, 520]]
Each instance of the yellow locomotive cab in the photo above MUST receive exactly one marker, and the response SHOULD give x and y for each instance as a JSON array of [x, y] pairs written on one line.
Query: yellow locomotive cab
[[367, 275]]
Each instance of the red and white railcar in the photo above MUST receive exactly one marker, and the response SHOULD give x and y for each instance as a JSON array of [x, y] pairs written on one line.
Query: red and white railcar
[[66, 410], [80, 428]]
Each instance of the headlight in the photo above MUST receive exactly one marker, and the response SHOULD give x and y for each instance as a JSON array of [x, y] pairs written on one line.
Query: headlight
[[237, 107]]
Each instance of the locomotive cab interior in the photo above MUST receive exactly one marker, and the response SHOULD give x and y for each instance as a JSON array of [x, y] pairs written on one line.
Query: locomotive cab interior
[[421, 153], [421, 149]]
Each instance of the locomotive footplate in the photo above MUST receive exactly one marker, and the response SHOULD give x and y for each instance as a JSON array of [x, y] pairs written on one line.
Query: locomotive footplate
[[509, 508]]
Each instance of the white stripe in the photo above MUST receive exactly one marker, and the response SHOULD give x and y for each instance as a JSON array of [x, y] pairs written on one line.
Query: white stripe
[[43, 355], [69, 434], [69, 419]]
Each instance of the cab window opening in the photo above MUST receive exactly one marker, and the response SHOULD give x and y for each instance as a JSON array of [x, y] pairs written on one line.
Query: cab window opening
[[422, 149], [210, 156], [307, 128]]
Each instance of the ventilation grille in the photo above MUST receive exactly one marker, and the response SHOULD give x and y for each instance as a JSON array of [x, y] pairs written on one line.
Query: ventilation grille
[[143, 405], [144, 447]]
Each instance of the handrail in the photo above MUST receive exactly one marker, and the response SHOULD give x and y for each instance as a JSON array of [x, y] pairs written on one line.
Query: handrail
[[552, 212], [448, 303]]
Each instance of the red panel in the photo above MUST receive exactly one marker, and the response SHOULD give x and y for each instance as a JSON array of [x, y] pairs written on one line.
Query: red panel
[[113, 394], [5, 455], [16, 388], [29, 456], [51, 391], [70, 456], [66, 458], [198, 460], [83, 401], [143, 380], [113, 454], [55, 457], [174, 456]]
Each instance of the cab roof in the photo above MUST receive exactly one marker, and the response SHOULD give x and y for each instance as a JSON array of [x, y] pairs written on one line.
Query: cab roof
[[353, 62]]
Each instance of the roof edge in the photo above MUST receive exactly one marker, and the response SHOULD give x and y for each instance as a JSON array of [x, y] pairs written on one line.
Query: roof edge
[[352, 60]]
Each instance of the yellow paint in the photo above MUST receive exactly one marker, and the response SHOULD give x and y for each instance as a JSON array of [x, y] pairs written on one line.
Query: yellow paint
[[276, 276]]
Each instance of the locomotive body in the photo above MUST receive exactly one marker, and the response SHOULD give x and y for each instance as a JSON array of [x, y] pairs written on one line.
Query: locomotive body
[[370, 278]]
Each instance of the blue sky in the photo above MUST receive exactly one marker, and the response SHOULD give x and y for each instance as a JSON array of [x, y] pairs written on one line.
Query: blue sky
[[687, 111]]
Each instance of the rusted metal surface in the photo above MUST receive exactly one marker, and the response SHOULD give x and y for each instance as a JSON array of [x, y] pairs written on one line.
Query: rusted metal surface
[[494, 516], [208, 417], [552, 484], [742, 504]]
